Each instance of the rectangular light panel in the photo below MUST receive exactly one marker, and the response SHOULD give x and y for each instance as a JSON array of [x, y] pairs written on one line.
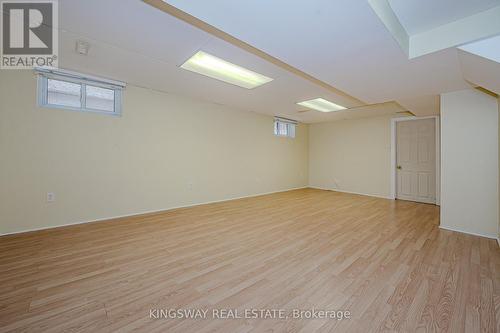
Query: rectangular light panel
[[208, 65], [320, 104]]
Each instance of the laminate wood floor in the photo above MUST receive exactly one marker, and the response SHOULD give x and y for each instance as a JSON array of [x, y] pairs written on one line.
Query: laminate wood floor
[[386, 262]]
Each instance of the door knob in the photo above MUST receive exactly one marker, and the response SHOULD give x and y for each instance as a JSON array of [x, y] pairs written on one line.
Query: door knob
[[398, 167]]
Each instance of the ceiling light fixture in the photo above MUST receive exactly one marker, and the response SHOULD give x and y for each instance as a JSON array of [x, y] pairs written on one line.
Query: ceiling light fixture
[[320, 104], [208, 65]]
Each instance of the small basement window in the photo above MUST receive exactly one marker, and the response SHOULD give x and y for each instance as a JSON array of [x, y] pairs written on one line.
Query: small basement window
[[284, 127], [78, 92]]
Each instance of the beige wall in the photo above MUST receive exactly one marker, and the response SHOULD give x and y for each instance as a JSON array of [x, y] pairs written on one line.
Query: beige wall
[[351, 155], [469, 162], [165, 151]]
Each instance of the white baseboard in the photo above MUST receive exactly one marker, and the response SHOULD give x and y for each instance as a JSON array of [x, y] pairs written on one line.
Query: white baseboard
[[351, 192], [150, 211], [470, 233], [229, 199]]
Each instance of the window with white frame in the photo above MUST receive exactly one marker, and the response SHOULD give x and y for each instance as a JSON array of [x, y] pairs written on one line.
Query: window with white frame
[[79, 92], [284, 127]]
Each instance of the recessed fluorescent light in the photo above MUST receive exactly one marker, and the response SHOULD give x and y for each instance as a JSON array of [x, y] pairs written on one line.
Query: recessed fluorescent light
[[320, 104], [206, 64]]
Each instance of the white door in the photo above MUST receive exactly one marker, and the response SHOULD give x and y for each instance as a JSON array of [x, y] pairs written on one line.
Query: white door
[[416, 160]]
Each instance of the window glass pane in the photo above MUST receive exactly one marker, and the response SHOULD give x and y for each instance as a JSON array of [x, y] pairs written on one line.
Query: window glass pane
[[291, 130], [63, 93], [282, 129], [100, 98]]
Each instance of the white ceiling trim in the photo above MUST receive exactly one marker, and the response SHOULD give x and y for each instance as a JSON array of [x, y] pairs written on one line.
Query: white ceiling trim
[[487, 48], [469, 29], [384, 11], [480, 71]]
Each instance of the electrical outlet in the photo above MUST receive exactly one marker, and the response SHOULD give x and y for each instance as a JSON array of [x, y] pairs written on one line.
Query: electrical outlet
[[51, 197]]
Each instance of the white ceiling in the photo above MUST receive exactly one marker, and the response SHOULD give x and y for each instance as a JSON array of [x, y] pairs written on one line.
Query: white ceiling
[[421, 15], [341, 42], [136, 43]]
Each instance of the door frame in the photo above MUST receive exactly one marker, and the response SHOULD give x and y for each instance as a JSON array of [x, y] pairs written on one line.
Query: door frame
[[394, 121]]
